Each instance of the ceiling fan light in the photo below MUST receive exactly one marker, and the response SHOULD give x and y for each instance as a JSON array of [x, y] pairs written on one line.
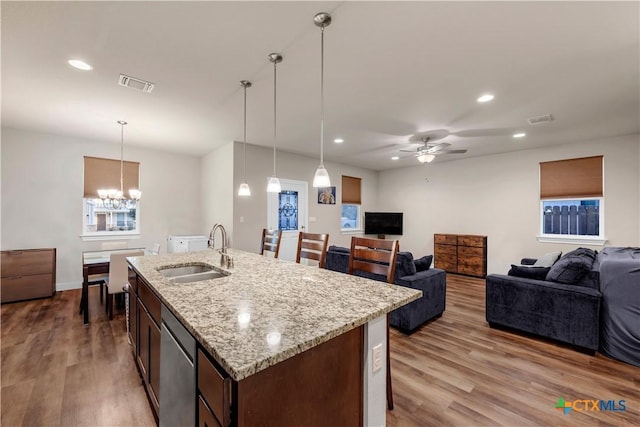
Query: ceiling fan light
[[321, 178], [426, 158], [244, 190], [274, 185]]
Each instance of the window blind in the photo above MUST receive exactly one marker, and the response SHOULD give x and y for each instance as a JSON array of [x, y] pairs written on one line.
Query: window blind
[[105, 173], [571, 178], [351, 190]]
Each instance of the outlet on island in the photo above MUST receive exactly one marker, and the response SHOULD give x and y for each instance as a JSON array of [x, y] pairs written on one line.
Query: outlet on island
[[377, 357]]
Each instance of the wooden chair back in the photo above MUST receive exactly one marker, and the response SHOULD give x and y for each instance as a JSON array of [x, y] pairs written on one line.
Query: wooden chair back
[[270, 242], [312, 246], [375, 256]]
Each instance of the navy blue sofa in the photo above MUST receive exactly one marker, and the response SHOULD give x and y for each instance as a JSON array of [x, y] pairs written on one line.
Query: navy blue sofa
[[431, 281], [562, 303]]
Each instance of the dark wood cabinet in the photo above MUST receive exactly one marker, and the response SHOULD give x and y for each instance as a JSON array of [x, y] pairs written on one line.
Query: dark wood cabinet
[[27, 274], [147, 340], [462, 254]]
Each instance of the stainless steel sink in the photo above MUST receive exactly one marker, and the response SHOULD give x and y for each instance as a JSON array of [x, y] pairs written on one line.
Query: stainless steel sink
[[184, 270], [192, 273], [207, 275]]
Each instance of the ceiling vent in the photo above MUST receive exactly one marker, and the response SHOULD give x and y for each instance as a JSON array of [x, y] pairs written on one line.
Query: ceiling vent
[[540, 119], [135, 83]]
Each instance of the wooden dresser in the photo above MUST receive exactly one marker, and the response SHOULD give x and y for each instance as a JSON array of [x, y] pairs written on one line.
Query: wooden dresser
[[461, 253], [27, 274]]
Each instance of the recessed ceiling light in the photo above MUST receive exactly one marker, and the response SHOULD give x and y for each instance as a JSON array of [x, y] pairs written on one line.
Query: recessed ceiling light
[[338, 140], [395, 158], [519, 135], [486, 97], [80, 65]]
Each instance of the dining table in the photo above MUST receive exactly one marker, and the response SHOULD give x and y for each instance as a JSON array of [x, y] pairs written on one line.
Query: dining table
[[95, 263]]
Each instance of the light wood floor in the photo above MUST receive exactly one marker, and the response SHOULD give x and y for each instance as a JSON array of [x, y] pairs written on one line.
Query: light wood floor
[[453, 371]]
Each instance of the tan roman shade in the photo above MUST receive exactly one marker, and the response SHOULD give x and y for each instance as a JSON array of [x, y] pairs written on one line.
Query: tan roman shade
[[351, 190], [571, 178], [105, 173]]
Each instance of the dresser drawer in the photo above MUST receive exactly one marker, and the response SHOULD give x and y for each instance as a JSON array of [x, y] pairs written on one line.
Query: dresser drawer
[[26, 287], [441, 250], [447, 265], [215, 388], [25, 262], [470, 252], [471, 270], [478, 241], [445, 239]]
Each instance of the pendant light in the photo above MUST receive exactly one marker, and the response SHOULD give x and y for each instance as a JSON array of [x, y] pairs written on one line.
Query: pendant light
[[321, 177], [244, 189], [274, 182], [115, 199]]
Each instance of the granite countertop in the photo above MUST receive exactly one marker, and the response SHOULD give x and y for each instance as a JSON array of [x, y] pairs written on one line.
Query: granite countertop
[[267, 310]]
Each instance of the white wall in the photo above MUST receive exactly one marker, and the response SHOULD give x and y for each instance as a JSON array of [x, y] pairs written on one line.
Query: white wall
[[498, 196], [217, 189], [253, 210], [42, 188]]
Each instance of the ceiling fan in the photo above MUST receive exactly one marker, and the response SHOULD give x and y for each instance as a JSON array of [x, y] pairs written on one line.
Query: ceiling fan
[[429, 150]]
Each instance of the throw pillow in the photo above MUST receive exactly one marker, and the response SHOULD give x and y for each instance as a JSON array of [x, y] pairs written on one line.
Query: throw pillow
[[423, 264], [548, 259], [404, 264], [572, 267], [529, 272]]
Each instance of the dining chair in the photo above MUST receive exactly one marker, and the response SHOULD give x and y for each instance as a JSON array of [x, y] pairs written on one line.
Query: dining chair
[[312, 246], [377, 257], [118, 277], [270, 242]]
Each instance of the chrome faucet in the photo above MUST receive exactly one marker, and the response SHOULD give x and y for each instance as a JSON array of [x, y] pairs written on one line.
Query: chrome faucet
[[225, 259]]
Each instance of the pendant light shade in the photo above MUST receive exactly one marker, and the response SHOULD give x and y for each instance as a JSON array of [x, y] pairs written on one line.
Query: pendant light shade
[[244, 189], [321, 177], [274, 182]]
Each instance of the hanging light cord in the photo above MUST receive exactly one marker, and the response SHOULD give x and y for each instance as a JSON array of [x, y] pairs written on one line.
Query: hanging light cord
[[245, 135], [122, 158], [322, 96], [274, 118]]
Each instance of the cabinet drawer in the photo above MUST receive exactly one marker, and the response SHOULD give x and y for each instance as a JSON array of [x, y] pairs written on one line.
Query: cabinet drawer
[[445, 239], [26, 287], [446, 265], [471, 270], [205, 416], [150, 300], [22, 263], [478, 241], [445, 250], [470, 252], [215, 388]]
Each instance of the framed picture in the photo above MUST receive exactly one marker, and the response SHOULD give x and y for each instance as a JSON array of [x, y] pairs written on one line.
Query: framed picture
[[327, 196]]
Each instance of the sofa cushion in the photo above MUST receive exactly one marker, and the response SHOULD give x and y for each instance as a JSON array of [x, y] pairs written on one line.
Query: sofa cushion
[[340, 249], [529, 271], [572, 267], [423, 264], [405, 265], [548, 259]]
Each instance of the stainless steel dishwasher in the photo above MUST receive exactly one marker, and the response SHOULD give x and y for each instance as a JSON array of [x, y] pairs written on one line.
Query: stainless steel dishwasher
[[177, 373]]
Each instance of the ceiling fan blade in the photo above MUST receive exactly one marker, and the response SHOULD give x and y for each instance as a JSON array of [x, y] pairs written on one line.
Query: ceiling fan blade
[[451, 152]]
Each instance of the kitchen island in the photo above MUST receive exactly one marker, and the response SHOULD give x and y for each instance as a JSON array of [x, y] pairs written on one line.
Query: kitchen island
[[277, 342]]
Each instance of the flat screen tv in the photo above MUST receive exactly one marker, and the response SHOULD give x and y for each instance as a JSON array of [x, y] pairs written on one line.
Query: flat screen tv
[[383, 223]]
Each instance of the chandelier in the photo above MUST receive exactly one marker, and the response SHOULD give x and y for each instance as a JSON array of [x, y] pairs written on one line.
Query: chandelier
[[115, 199]]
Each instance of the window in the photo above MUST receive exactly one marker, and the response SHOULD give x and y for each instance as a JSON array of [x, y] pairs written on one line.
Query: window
[[350, 217], [98, 220], [571, 201]]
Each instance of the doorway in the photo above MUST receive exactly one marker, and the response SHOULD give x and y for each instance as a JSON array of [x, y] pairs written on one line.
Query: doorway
[[287, 212]]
